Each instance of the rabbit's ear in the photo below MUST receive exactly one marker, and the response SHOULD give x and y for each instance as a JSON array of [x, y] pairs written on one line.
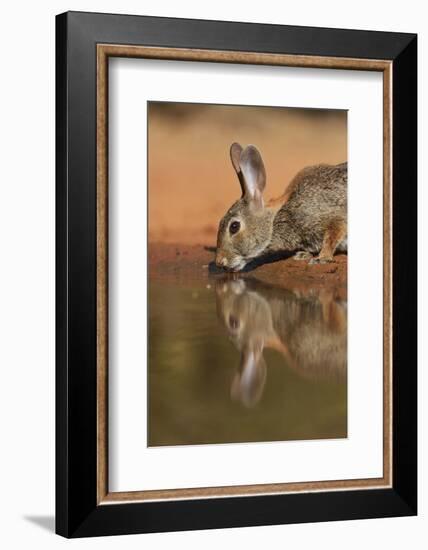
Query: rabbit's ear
[[253, 175], [235, 156], [248, 383]]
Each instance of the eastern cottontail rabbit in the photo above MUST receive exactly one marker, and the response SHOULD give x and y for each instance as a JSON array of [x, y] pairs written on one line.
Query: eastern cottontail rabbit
[[309, 219]]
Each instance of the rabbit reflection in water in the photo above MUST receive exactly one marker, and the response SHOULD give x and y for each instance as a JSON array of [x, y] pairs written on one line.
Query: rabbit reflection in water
[[309, 332], [309, 220]]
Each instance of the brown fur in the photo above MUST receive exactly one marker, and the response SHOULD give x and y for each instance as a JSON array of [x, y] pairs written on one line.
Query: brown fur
[[333, 235]]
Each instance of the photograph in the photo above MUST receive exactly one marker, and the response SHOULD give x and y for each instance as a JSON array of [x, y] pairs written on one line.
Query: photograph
[[247, 273]]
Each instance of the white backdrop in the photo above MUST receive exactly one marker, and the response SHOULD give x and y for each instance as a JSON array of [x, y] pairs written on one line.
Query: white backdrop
[[134, 81], [27, 273]]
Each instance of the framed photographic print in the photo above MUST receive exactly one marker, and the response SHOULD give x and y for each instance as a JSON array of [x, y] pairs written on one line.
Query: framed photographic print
[[236, 274]]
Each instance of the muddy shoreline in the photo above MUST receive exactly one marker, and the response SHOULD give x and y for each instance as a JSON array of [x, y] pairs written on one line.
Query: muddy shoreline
[[190, 263]]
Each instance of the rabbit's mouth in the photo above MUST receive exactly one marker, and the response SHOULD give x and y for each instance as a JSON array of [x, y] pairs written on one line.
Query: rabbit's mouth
[[236, 265]]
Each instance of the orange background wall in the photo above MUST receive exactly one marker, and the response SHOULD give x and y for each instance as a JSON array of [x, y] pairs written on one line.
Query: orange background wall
[[191, 180]]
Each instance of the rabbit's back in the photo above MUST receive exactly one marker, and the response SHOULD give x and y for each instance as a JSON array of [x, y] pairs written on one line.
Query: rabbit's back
[[317, 199]]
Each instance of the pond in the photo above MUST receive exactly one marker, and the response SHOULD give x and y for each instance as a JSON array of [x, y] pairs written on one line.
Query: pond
[[234, 360]]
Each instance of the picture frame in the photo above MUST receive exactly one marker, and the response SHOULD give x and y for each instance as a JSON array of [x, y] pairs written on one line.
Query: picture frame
[[84, 44]]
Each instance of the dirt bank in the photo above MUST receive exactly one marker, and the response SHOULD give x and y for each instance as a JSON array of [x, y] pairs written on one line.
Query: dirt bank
[[191, 263]]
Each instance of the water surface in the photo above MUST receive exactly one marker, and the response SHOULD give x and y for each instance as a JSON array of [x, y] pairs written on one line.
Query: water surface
[[236, 360]]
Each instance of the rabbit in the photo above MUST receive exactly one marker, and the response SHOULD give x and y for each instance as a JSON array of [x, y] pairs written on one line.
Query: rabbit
[[309, 332], [309, 220]]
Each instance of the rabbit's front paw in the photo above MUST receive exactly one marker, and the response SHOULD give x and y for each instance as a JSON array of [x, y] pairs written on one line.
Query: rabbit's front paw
[[320, 260]]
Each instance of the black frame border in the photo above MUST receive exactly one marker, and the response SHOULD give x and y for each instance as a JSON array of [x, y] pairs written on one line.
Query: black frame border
[[77, 512]]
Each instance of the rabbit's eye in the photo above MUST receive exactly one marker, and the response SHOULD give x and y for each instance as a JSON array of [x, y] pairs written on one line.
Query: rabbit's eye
[[234, 227]]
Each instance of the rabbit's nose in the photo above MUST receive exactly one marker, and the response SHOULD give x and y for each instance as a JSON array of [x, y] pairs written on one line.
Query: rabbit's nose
[[220, 261]]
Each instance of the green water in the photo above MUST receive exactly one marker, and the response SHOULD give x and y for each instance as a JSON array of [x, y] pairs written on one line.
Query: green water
[[240, 361]]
